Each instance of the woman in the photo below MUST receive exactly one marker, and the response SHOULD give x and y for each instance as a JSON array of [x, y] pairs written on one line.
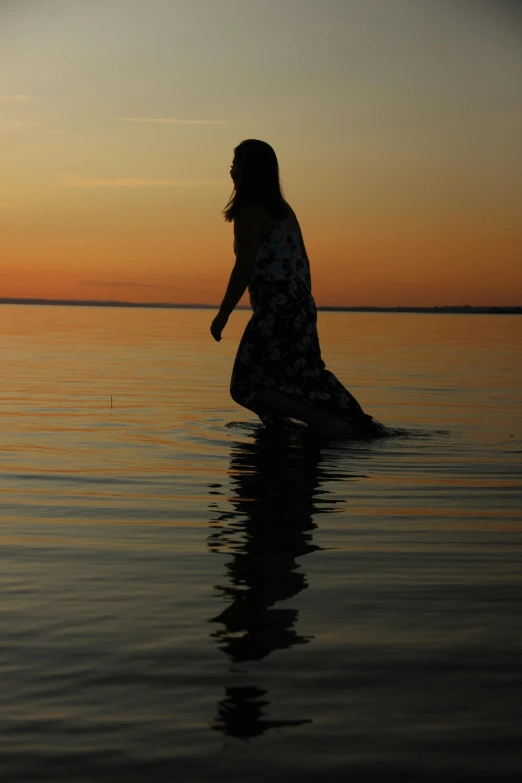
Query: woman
[[278, 372]]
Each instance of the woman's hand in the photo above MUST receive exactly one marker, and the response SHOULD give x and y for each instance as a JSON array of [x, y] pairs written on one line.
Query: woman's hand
[[217, 326]]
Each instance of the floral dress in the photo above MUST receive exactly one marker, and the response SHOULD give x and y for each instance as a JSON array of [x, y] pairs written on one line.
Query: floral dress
[[280, 346]]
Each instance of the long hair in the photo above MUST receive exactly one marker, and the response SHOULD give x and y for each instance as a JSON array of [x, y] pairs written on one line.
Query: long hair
[[259, 181]]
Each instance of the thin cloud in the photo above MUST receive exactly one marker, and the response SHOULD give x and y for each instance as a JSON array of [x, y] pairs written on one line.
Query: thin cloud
[[50, 130], [120, 284], [134, 182], [14, 125], [172, 120], [17, 97], [26, 125]]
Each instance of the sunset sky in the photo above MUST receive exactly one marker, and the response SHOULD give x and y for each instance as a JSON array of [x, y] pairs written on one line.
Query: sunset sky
[[397, 124]]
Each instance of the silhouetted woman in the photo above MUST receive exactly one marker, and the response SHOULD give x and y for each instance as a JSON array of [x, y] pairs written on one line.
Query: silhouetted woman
[[278, 372]]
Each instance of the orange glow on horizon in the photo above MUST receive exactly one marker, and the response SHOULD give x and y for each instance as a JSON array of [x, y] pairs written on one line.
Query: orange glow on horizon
[[347, 270]]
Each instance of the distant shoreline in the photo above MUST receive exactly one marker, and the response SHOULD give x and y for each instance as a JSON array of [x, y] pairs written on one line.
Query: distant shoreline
[[463, 309]]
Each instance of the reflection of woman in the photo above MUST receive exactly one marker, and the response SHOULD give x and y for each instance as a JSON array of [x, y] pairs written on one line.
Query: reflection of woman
[[276, 486], [278, 370], [272, 526]]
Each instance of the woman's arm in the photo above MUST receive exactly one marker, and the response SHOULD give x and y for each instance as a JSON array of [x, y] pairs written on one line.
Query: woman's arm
[[247, 233]]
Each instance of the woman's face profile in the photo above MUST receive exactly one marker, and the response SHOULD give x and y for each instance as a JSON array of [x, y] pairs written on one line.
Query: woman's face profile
[[234, 170]]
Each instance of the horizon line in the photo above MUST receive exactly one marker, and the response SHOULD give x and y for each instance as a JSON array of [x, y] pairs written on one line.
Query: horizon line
[[508, 309]]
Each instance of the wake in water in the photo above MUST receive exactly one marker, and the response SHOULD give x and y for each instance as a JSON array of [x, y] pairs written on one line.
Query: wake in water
[[291, 427]]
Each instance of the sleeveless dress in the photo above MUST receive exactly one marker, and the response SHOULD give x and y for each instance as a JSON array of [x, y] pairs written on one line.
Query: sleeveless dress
[[280, 346]]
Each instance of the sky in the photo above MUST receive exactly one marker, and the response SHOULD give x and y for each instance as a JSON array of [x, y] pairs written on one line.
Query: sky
[[397, 125]]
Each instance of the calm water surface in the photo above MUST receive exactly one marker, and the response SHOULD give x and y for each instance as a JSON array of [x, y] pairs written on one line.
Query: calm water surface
[[186, 599]]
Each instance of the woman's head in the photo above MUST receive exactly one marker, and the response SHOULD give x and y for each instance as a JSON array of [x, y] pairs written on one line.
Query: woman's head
[[255, 173]]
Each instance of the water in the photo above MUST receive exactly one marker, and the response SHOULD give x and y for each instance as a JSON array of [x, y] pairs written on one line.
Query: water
[[185, 599]]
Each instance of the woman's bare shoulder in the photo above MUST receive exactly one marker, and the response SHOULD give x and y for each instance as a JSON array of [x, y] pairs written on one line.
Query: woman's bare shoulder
[[297, 227], [292, 217]]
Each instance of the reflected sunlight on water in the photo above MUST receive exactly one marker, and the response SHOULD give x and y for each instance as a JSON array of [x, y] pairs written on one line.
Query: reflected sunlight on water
[[185, 595]]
